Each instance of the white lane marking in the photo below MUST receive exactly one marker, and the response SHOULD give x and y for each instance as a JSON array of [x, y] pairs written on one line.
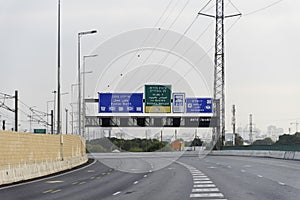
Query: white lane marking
[[150, 171], [205, 182], [54, 181], [243, 170], [201, 179], [212, 199], [229, 166], [90, 171], [247, 166], [206, 190], [281, 183], [47, 191], [132, 169], [116, 193], [47, 178], [145, 175], [204, 186], [55, 191], [212, 167], [199, 176], [199, 182], [136, 182], [260, 176], [207, 195]]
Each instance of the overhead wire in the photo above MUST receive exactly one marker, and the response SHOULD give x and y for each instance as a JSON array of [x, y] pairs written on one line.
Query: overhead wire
[[139, 51], [176, 43], [164, 35], [263, 8]]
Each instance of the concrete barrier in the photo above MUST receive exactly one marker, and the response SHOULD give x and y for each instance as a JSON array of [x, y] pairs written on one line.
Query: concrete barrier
[[288, 155], [25, 156]]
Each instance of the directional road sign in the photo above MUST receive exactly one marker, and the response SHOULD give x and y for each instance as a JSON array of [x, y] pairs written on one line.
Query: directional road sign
[[120, 102], [199, 105], [157, 98]]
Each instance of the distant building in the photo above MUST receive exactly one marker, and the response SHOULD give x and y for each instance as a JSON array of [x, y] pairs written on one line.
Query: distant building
[[177, 146]]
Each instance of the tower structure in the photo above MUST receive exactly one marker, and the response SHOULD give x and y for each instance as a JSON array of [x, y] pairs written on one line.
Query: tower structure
[[219, 72]]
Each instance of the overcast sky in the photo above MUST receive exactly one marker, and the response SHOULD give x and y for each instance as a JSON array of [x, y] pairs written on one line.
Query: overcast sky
[[262, 49]]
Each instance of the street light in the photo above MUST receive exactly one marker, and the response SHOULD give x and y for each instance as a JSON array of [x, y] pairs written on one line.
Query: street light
[[79, 75], [83, 89]]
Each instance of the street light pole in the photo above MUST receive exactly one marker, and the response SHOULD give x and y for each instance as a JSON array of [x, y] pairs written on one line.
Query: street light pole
[[83, 90], [58, 72], [79, 76]]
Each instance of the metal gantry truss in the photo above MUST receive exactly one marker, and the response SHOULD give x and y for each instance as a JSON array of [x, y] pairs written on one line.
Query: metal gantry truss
[[152, 121]]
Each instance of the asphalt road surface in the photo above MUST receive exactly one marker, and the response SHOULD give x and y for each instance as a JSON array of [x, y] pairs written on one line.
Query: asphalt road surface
[[157, 176]]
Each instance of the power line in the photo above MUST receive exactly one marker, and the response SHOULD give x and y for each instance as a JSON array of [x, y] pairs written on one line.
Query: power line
[[164, 35], [263, 8], [144, 41]]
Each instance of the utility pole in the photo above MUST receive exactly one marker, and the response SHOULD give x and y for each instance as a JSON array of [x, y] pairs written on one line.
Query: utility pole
[[66, 121], [52, 122], [58, 72], [16, 110], [234, 135], [219, 72], [250, 129]]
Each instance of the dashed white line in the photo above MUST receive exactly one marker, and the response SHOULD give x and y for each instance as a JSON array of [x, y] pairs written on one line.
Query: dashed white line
[[204, 182], [136, 182], [202, 195], [199, 176], [281, 183], [201, 179], [116, 193], [145, 175], [260, 176], [206, 190], [243, 170], [204, 185]]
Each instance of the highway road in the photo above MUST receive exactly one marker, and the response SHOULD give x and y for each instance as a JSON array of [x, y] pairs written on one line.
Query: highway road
[[143, 176]]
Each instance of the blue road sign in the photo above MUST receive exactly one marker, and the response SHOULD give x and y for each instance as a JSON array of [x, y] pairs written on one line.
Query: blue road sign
[[199, 105], [120, 102]]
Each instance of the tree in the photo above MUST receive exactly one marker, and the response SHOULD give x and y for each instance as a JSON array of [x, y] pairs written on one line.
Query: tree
[[289, 139], [266, 141], [196, 142], [239, 141]]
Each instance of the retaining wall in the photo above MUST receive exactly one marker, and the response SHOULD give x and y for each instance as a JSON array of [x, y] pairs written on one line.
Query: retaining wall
[[288, 155], [25, 156]]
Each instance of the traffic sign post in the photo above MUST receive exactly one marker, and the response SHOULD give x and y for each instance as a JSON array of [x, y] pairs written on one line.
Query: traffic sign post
[[157, 98]]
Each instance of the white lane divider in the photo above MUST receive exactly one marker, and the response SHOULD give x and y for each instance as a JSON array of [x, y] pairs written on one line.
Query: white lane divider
[[116, 193], [281, 183], [203, 187]]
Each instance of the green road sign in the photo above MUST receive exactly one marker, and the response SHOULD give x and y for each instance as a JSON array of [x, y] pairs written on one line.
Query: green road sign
[[158, 98], [39, 131]]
